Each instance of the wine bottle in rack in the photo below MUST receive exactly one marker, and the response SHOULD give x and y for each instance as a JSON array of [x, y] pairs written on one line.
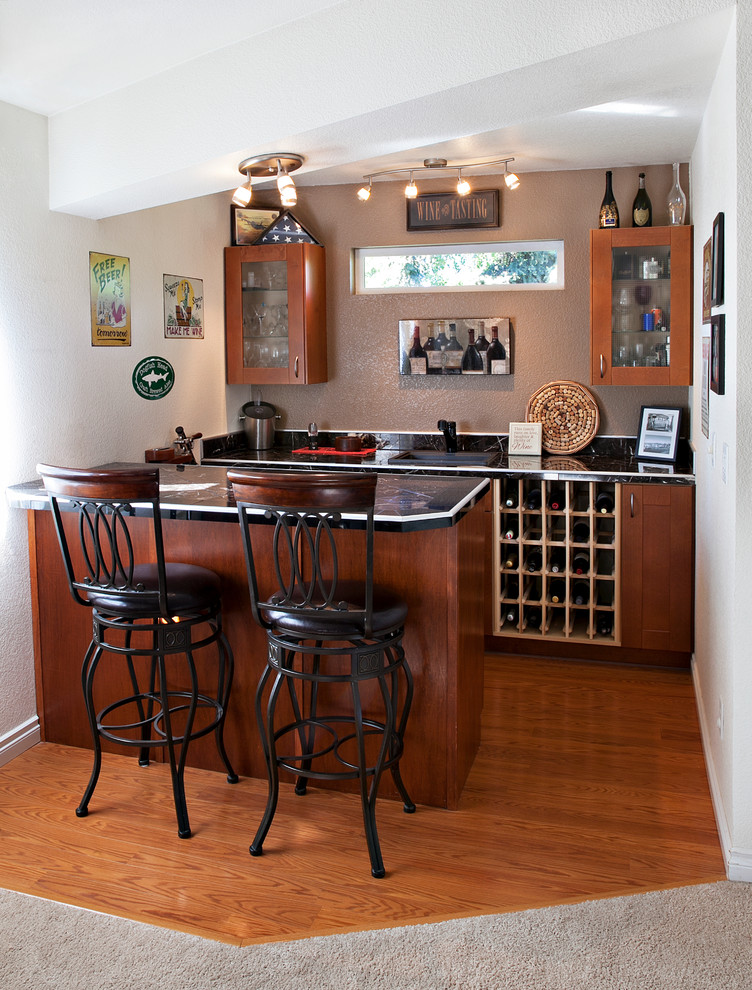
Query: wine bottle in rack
[[642, 209], [533, 560], [533, 499], [510, 498], [604, 503], [512, 589], [532, 616], [511, 615], [510, 563], [581, 531], [604, 623], [511, 532], [580, 593], [557, 591], [609, 213], [557, 562], [581, 562], [417, 355], [556, 500]]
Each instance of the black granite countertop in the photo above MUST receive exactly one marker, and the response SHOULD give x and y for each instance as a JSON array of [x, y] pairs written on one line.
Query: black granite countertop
[[606, 459], [201, 492]]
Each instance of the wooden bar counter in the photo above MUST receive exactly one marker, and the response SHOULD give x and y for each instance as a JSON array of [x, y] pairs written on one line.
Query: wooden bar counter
[[429, 548]]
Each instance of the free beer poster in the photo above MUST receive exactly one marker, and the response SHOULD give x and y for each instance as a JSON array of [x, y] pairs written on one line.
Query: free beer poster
[[110, 289]]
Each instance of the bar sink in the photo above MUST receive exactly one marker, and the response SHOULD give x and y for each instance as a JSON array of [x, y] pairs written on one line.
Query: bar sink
[[443, 458]]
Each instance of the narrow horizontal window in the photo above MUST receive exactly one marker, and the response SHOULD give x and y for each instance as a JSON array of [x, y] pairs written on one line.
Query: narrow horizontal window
[[459, 267]]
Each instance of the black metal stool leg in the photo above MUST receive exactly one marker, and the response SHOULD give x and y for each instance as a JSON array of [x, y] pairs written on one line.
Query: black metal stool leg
[[266, 730], [368, 795], [88, 669], [407, 802], [224, 685], [177, 766]]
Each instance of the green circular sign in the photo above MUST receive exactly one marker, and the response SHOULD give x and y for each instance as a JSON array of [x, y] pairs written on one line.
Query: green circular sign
[[153, 378]]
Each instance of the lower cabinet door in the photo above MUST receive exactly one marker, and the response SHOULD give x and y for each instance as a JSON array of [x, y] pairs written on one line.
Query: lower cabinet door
[[657, 566]]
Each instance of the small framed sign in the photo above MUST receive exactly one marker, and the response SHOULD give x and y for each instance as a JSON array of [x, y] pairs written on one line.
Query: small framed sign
[[525, 439], [718, 354], [659, 433], [716, 282], [450, 211]]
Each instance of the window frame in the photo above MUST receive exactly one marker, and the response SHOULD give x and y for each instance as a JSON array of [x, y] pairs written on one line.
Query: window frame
[[361, 254]]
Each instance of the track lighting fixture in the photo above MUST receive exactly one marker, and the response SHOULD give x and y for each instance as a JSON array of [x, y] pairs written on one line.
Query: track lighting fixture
[[463, 186], [266, 167]]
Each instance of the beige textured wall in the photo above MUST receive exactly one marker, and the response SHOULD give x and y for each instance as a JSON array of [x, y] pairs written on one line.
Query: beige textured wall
[[550, 328]]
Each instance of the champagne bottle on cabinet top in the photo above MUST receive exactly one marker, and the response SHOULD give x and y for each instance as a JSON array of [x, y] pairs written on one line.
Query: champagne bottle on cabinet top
[[642, 208], [609, 215]]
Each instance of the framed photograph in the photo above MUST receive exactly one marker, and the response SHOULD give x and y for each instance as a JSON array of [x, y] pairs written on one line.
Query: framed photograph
[[707, 267], [450, 211], [248, 225], [658, 437], [705, 397], [718, 354], [716, 287]]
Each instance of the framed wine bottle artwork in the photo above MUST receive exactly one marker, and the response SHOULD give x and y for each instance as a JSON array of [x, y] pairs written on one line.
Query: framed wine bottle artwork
[[455, 346], [716, 287]]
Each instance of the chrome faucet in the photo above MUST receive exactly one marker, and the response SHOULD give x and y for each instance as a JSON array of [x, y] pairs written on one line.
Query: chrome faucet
[[449, 428]]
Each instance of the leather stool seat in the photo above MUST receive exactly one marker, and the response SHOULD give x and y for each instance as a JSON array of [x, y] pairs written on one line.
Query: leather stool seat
[[190, 588]]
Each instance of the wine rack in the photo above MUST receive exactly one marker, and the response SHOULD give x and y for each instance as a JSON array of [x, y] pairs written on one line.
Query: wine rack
[[557, 560]]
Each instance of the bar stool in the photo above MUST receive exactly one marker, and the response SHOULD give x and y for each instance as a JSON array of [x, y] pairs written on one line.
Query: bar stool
[[334, 640], [141, 607]]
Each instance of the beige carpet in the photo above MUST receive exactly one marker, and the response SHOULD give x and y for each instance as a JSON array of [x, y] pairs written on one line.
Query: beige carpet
[[690, 938]]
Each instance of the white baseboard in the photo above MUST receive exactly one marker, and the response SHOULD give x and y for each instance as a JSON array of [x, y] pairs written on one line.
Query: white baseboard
[[18, 740], [738, 861]]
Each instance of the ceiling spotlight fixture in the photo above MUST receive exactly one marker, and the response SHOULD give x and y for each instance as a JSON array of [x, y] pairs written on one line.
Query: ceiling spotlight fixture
[[266, 167], [510, 178], [463, 186]]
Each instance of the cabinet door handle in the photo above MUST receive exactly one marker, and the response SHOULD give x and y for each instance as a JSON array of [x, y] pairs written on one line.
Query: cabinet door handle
[[631, 504], [296, 367], [603, 368]]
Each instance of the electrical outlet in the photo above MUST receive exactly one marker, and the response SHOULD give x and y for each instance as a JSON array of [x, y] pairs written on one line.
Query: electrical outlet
[[719, 721]]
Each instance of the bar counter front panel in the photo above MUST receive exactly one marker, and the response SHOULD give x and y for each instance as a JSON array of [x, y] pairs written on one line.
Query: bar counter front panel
[[429, 548]]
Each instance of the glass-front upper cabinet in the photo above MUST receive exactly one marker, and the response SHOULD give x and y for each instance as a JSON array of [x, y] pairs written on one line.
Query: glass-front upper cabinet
[[641, 306], [275, 314]]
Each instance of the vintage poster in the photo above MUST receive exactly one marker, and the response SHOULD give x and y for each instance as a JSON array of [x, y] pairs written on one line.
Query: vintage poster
[[110, 291], [183, 306]]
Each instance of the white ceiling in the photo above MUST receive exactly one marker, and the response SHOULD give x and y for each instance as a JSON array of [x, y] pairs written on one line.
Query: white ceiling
[[573, 85]]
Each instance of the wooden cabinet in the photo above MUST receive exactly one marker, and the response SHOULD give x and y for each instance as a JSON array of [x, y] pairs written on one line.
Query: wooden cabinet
[[638, 573], [556, 560], [657, 566], [275, 314], [641, 306]]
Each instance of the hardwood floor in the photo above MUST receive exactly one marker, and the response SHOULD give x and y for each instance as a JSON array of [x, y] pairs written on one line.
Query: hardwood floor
[[590, 782]]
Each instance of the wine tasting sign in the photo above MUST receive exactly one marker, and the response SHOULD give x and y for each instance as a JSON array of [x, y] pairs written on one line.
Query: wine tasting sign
[[450, 211]]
